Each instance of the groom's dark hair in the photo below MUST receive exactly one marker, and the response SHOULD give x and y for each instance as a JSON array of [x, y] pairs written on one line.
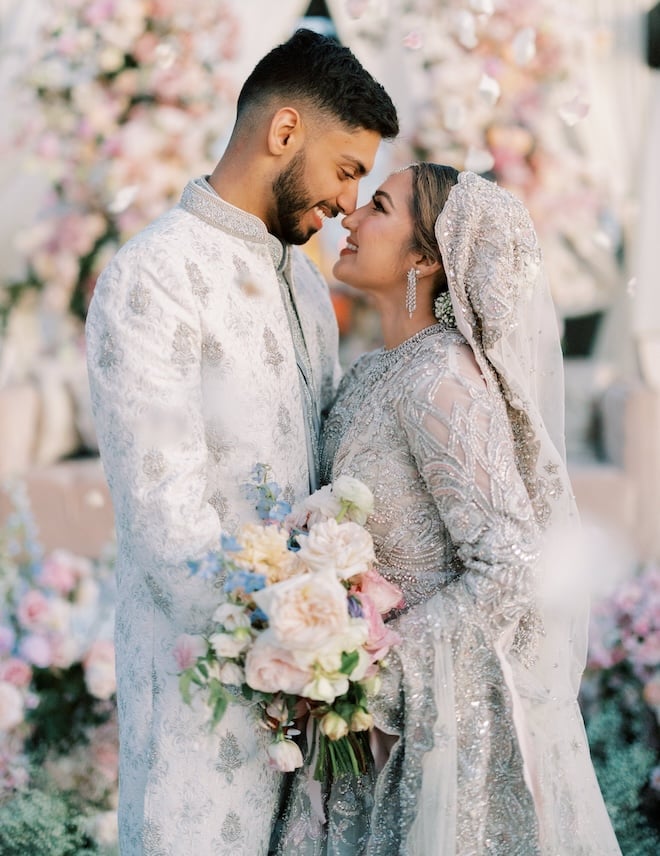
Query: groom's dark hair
[[318, 70]]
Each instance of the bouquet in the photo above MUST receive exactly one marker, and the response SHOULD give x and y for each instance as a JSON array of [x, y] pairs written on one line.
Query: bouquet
[[300, 630]]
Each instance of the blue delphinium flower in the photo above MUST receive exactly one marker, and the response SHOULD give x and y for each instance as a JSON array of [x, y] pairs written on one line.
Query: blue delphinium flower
[[208, 567], [266, 495], [244, 581], [354, 607]]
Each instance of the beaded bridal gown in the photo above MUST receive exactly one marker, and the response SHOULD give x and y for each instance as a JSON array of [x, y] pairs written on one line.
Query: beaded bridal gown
[[483, 761]]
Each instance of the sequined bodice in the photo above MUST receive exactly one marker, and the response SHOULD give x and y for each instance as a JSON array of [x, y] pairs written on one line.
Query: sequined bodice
[[417, 425]]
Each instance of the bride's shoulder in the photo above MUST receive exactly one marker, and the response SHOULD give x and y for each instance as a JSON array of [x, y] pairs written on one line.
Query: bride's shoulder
[[444, 359]]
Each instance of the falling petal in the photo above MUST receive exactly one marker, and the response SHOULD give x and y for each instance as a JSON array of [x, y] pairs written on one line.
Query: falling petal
[[479, 160], [524, 46], [489, 88], [123, 199], [573, 111], [631, 286], [413, 40]]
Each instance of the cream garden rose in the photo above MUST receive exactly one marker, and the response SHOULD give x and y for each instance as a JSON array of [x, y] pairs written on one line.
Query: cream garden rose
[[305, 611], [265, 551], [346, 548]]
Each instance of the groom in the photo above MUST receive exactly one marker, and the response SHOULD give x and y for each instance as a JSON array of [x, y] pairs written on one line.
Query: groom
[[212, 346]]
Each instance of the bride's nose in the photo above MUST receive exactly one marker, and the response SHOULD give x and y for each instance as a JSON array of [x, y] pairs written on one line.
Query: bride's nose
[[347, 221]]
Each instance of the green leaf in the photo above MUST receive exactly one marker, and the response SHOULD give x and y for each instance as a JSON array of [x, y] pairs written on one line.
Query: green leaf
[[185, 679], [349, 661], [220, 704]]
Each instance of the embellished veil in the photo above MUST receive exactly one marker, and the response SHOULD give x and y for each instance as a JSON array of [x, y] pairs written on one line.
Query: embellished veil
[[504, 310]]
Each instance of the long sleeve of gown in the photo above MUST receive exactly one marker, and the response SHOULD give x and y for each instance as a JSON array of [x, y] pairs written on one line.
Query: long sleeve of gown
[[144, 362], [461, 443], [457, 717]]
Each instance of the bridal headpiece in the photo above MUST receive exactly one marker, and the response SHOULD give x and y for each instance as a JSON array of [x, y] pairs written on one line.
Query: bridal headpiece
[[503, 308]]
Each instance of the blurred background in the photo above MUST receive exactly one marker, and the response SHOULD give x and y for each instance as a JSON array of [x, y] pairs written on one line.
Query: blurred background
[[108, 108]]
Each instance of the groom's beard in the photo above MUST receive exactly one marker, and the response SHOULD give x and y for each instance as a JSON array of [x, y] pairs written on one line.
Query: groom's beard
[[291, 202]]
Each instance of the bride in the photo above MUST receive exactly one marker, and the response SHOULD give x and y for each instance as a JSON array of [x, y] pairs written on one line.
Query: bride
[[456, 425]]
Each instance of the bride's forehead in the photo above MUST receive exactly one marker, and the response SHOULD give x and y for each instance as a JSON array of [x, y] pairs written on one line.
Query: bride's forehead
[[397, 184]]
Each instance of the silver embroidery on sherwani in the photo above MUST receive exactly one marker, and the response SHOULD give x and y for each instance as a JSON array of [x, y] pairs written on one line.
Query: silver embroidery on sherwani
[[186, 403]]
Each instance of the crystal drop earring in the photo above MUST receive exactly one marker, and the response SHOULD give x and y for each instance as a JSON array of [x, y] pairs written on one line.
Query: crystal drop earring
[[411, 291]]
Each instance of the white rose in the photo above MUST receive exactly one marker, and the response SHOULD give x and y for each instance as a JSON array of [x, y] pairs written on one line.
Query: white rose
[[103, 828], [285, 756], [328, 656], [321, 505], [304, 612], [356, 495], [362, 720], [231, 674], [231, 644], [345, 547], [334, 726], [231, 616], [11, 706], [326, 687], [99, 666]]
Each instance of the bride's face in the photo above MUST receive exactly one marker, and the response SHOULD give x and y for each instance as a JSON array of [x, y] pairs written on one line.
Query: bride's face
[[378, 253]]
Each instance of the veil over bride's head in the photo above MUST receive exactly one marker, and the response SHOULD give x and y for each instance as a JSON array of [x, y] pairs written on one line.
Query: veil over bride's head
[[503, 308]]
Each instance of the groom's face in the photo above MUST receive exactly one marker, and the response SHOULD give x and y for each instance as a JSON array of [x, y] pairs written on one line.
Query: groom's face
[[321, 180]]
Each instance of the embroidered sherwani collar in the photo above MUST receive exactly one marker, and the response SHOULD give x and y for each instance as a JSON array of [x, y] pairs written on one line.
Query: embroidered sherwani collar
[[200, 199]]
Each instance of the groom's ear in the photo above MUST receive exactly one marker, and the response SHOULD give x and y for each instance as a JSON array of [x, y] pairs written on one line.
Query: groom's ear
[[285, 133]]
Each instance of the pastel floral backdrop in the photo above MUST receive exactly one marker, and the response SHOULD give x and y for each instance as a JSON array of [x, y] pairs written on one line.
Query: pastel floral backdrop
[[620, 698], [503, 87], [58, 730], [123, 101]]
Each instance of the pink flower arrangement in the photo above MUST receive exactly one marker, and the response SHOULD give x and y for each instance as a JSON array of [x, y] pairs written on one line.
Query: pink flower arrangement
[[300, 629], [625, 636], [57, 678], [128, 100]]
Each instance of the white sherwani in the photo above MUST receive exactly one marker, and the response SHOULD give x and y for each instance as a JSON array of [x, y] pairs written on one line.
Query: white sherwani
[[198, 371]]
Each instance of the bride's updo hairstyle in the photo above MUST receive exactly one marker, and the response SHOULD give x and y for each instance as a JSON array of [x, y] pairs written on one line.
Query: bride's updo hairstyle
[[431, 183]]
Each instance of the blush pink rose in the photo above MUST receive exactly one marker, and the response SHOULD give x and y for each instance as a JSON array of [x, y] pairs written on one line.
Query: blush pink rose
[[380, 638], [16, 672], [270, 669], [58, 573], [33, 610], [284, 756], [383, 594]]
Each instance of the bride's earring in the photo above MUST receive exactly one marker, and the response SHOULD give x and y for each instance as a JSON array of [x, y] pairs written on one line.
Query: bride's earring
[[411, 291]]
